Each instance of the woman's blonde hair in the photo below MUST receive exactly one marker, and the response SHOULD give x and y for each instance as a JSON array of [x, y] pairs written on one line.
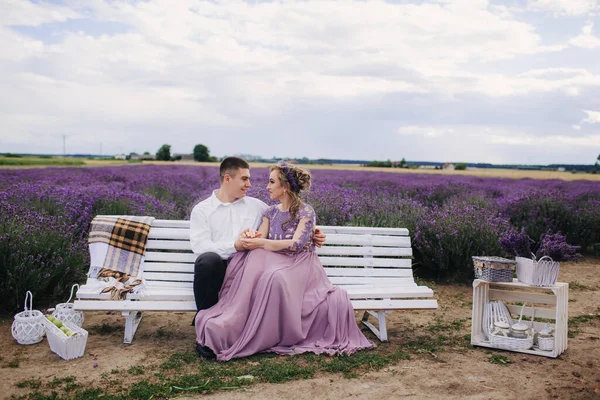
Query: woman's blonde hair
[[296, 180]]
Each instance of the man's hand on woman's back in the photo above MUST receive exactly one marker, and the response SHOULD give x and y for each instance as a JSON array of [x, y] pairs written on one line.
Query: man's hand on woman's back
[[319, 238]]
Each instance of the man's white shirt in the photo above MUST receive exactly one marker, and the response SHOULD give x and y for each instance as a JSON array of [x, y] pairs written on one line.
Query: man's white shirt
[[215, 226]]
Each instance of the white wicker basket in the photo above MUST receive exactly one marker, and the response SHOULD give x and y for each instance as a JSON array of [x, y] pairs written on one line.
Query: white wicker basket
[[546, 344], [67, 313], [497, 310], [545, 339], [543, 272], [511, 343], [67, 347], [28, 326]]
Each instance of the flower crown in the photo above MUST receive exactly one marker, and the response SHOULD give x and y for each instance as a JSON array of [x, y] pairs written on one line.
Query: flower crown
[[290, 176]]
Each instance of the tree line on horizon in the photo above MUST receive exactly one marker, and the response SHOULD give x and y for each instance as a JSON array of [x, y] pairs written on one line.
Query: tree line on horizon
[[201, 153]]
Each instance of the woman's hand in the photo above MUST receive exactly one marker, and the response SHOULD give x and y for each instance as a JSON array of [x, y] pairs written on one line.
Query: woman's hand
[[252, 243], [249, 233]]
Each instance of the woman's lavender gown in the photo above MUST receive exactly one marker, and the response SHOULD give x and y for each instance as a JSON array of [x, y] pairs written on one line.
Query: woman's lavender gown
[[280, 302]]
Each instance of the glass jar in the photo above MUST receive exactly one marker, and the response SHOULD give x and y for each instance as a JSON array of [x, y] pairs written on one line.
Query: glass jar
[[501, 328], [519, 331], [545, 339], [546, 333]]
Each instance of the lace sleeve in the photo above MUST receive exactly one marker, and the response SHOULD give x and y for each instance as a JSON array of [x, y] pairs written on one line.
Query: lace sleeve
[[268, 214], [305, 230]]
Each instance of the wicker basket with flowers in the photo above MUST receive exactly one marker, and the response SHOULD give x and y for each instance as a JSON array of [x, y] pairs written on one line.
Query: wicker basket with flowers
[[538, 263]]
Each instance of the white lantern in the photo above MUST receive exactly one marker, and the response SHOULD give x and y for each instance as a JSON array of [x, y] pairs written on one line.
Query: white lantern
[[67, 313], [28, 326]]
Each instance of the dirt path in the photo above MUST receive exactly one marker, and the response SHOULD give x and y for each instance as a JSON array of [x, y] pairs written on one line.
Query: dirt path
[[457, 373]]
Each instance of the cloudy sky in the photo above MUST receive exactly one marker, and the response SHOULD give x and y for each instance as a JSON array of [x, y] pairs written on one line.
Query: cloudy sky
[[515, 81]]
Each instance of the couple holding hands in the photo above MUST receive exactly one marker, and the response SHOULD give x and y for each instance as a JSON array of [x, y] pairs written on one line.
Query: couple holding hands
[[258, 283]]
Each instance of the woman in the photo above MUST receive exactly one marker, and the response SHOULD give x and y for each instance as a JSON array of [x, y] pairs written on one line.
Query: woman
[[278, 298]]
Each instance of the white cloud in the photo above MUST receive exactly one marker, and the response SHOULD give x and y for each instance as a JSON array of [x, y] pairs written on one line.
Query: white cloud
[[576, 127], [564, 7], [204, 70], [425, 131], [17, 47], [566, 80], [586, 40], [555, 141], [25, 13], [292, 48], [511, 140], [572, 91], [593, 117], [492, 144]]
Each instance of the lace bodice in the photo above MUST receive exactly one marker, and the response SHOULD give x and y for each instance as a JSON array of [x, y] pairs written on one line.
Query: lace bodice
[[280, 230]]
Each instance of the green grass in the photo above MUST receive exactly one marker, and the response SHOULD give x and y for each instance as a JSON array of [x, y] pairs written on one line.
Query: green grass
[[441, 326], [136, 370], [164, 333], [39, 161], [106, 329], [29, 383], [185, 373], [176, 361], [575, 323], [499, 359], [58, 382], [576, 286]]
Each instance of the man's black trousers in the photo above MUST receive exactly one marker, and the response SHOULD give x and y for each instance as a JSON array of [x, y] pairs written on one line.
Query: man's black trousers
[[209, 273]]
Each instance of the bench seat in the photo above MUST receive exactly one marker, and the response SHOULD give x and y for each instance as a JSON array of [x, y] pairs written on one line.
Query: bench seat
[[372, 264]]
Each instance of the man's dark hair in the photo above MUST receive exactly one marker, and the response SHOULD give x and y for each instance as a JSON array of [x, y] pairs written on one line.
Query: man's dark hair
[[231, 165]]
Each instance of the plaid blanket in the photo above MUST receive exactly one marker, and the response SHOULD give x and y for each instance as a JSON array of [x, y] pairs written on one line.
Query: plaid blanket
[[117, 247]]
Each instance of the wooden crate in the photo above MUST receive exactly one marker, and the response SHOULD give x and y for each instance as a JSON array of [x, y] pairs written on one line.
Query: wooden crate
[[551, 303]]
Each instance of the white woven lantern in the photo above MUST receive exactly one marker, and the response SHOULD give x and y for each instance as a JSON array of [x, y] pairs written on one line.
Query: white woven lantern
[[67, 313], [28, 326]]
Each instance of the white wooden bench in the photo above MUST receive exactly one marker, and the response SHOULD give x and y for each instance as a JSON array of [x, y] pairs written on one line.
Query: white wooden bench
[[372, 264]]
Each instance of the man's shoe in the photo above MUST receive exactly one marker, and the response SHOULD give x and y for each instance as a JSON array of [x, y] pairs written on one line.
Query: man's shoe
[[205, 352]]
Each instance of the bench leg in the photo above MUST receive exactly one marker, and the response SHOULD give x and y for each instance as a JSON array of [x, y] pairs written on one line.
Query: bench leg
[[132, 321], [381, 330]]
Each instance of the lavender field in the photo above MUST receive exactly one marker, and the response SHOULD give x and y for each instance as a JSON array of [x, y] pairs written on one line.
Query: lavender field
[[45, 215]]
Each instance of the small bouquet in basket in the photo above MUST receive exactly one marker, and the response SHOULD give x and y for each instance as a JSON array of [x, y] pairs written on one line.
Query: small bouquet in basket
[[538, 263]]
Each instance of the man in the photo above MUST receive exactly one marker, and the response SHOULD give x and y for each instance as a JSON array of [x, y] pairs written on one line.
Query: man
[[215, 227]]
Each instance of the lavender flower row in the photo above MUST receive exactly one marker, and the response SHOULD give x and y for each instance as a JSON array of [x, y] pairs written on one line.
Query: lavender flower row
[[45, 215]]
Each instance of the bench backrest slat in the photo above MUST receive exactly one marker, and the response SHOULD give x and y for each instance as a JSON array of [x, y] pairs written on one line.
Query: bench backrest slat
[[166, 223], [329, 250], [352, 256], [171, 285], [326, 261], [184, 245], [368, 240], [170, 257], [362, 230], [334, 238], [331, 271], [150, 277], [365, 262]]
